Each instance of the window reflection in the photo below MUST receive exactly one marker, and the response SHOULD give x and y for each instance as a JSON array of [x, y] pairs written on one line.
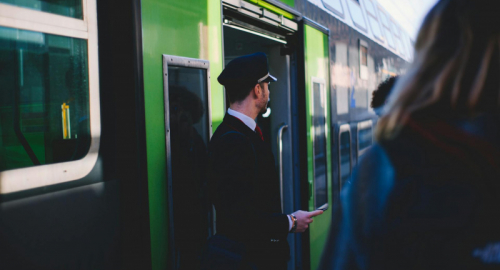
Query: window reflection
[[365, 138], [364, 55], [385, 24], [70, 8], [345, 157], [320, 159], [187, 88], [334, 6], [44, 99]]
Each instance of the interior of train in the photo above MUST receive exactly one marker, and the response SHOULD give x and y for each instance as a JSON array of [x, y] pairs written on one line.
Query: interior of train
[[239, 42]]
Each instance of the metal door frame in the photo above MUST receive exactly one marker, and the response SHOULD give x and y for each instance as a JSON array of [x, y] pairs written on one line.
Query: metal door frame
[[322, 83], [178, 61], [344, 128]]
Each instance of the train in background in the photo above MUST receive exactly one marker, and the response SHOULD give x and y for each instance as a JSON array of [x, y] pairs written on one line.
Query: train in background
[[107, 107]]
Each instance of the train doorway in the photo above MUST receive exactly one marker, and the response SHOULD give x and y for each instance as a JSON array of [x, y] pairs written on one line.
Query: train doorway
[[238, 43], [276, 123]]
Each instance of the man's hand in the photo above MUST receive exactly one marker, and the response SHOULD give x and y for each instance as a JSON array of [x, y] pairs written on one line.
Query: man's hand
[[304, 218]]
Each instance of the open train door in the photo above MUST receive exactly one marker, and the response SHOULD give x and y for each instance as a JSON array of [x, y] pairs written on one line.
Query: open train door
[[262, 27], [316, 178]]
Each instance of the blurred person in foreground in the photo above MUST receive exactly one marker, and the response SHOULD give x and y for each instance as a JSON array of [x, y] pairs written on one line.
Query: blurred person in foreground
[[427, 195], [380, 96]]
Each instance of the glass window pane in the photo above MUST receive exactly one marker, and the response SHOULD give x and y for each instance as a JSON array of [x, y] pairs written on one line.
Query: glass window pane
[[406, 47], [70, 8], [395, 29], [334, 6], [370, 8], [44, 101], [187, 89], [383, 18], [377, 31], [399, 46], [390, 39], [345, 157], [388, 34], [365, 138], [319, 121], [364, 55], [187, 97], [357, 14]]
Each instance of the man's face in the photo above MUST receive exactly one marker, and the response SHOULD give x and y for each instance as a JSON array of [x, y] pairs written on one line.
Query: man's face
[[265, 97]]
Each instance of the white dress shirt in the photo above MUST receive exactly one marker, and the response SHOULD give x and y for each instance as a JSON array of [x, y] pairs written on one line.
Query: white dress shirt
[[244, 118], [247, 120]]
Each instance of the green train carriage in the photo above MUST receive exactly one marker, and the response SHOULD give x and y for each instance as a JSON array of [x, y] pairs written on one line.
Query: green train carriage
[[106, 108]]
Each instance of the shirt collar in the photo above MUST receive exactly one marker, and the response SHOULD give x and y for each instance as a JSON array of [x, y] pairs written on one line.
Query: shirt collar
[[244, 118]]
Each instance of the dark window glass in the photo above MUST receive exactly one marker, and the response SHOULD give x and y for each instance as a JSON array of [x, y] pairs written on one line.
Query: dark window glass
[[365, 138], [70, 8], [320, 169], [44, 99], [364, 56], [187, 94], [187, 89], [345, 157]]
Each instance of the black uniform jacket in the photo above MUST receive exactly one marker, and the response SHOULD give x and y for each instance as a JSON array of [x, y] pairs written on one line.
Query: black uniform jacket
[[244, 187]]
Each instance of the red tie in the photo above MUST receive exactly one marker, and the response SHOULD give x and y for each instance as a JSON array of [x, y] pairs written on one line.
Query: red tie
[[257, 129]]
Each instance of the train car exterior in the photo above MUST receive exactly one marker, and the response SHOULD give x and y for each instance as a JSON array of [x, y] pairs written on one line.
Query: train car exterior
[[107, 107]]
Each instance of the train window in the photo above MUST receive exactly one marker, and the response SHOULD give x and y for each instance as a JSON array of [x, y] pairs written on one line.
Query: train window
[[369, 7], [49, 103], [364, 55], [188, 133], [334, 6], [319, 143], [388, 33], [394, 28], [397, 38], [383, 18], [373, 20], [345, 161], [45, 115], [357, 15], [363, 60], [407, 45], [365, 136], [70, 8], [187, 91]]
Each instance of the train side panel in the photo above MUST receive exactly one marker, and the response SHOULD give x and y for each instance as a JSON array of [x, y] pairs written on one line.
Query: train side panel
[[101, 220], [191, 29], [319, 141]]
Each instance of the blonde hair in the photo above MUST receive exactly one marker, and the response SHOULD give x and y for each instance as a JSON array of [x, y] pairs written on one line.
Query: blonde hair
[[456, 68]]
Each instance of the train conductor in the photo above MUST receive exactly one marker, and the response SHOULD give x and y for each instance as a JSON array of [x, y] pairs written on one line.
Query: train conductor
[[242, 178]]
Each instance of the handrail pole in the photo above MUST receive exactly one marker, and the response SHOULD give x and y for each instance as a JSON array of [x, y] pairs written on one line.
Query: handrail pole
[[280, 160]]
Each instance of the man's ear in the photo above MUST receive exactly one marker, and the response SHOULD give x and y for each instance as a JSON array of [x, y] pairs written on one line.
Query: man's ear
[[257, 90]]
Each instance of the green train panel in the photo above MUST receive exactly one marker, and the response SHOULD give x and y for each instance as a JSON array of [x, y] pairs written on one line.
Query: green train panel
[[318, 138]]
